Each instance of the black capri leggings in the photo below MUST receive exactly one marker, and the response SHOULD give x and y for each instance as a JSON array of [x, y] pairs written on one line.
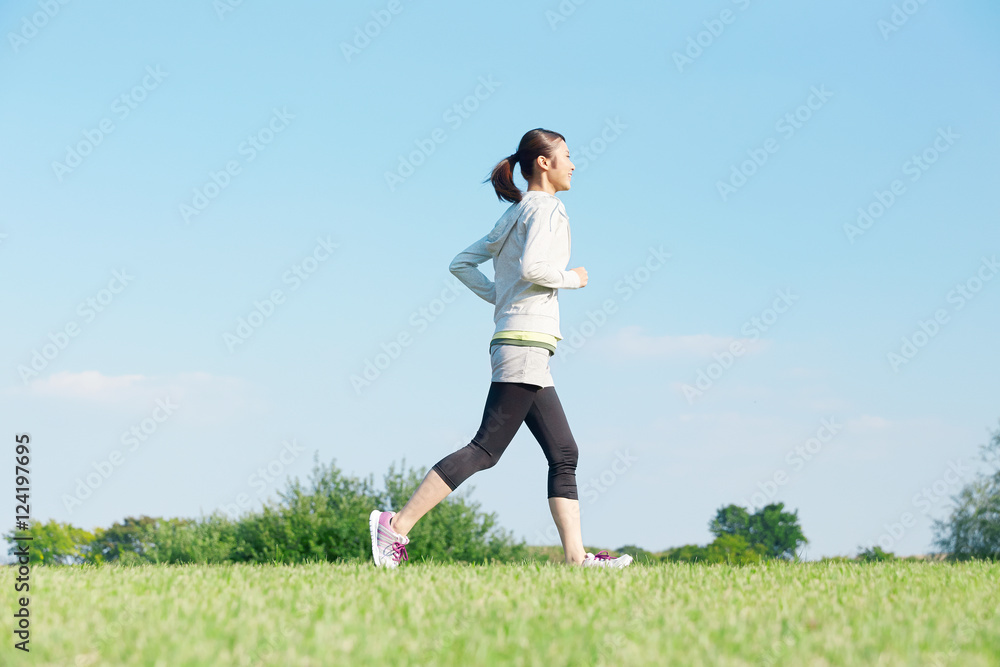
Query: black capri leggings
[[507, 405]]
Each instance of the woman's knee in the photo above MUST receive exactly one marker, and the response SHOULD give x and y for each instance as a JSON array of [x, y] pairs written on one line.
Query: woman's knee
[[468, 460], [482, 458], [572, 454]]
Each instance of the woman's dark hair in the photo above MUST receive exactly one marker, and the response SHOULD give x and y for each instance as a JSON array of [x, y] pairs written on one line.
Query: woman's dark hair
[[534, 143]]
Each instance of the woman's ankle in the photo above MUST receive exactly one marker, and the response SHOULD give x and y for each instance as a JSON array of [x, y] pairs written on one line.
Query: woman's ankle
[[392, 525]]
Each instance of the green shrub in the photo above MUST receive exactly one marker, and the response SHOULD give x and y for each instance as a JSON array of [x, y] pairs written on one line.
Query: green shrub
[[732, 549], [689, 553], [638, 554], [209, 540], [324, 519], [875, 555]]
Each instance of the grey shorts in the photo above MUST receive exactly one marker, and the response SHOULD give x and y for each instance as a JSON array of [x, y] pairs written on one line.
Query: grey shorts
[[521, 363]]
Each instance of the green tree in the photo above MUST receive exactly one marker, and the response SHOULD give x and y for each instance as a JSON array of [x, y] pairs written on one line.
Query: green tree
[[770, 527], [777, 531], [972, 530], [52, 543], [731, 520], [126, 542]]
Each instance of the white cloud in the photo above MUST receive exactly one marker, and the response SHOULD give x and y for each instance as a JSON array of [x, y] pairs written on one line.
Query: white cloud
[[86, 385], [631, 341], [203, 395]]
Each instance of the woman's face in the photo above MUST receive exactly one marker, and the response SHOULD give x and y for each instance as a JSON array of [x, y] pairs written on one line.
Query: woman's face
[[560, 167]]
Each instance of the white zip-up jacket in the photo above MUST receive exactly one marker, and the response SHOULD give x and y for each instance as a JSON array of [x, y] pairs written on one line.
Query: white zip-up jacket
[[529, 246]]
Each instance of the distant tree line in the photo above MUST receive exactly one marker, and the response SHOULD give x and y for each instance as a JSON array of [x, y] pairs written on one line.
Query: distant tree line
[[741, 538], [327, 520], [324, 520]]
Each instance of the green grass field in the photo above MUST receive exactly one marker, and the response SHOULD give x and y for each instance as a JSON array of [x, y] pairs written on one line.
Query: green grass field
[[901, 613]]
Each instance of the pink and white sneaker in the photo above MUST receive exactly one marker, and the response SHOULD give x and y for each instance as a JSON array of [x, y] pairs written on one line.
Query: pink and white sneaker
[[388, 546], [604, 559]]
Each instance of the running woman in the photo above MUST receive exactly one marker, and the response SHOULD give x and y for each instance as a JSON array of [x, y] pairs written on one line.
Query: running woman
[[530, 247]]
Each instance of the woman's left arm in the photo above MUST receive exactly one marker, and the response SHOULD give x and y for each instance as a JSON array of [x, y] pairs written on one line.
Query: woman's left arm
[[465, 267]]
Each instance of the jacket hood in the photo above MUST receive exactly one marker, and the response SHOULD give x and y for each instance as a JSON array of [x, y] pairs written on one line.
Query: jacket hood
[[498, 236]]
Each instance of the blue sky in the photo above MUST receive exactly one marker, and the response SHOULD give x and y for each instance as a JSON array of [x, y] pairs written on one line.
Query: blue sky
[[168, 171]]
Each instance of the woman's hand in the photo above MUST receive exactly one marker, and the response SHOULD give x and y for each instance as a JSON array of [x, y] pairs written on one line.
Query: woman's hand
[[582, 272]]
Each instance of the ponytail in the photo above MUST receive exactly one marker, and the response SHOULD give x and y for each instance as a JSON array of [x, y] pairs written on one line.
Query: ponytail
[[534, 143]]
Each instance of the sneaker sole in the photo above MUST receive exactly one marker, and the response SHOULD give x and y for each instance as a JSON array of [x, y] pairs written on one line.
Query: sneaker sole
[[616, 567], [373, 529]]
